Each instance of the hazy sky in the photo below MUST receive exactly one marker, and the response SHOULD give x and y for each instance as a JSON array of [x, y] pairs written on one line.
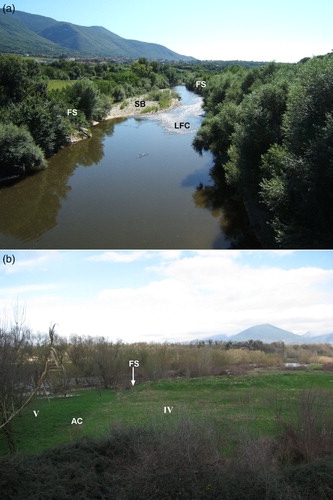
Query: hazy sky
[[169, 295], [259, 30]]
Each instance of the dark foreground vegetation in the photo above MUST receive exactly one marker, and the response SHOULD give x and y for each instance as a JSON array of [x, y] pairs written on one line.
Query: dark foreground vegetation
[[271, 131], [184, 460]]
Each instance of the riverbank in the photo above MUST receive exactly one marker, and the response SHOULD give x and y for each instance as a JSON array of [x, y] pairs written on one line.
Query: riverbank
[[127, 109]]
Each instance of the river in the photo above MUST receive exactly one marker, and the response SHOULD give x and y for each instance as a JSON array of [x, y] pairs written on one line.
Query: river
[[132, 185]]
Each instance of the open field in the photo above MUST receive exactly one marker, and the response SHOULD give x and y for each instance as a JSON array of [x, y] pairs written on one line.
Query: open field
[[59, 84], [248, 403]]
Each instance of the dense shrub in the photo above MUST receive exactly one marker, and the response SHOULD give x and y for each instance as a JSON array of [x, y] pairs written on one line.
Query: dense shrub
[[19, 79], [18, 150], [184, 460], [45, 120], [85, 96]]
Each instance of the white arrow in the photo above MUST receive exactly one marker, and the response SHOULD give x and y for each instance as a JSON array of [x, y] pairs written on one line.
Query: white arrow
[[133, 379]]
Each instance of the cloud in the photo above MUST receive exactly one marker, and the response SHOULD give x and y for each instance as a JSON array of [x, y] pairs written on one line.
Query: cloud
[[117, 256], [134, 255], [215, 293], [170, 254], [32, 260], [190, 294]]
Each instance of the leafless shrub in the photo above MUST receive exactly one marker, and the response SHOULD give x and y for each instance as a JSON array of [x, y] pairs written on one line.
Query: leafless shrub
[[175, 459], [308, 434]]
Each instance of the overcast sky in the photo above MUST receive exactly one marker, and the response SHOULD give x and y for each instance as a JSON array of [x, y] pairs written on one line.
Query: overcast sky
[[259, 30], [169, 295]]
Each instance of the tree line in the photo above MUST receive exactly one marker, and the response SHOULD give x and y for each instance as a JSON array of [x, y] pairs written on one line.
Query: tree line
[[270, 129]]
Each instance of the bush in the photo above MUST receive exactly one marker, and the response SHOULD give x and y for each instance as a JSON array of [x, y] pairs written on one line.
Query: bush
[[309, 434], [149, 109], [19, 78], [84, 96], [119, 93], [45, 122], [311, 481], [185, 459], [18, 150]]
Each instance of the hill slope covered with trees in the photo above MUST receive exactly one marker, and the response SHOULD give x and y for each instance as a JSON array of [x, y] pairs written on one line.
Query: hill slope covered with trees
[[39, 35]]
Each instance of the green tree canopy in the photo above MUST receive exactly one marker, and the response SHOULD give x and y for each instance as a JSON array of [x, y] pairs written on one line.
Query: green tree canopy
[[17, 149], [45, 120], [18, 79], [297, 181], [84, 95]]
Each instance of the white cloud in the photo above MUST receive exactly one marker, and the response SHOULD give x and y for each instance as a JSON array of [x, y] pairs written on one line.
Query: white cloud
[[193, 294], [216, 294], [133, 255], [116, 256], [170, 254], [33, 260]]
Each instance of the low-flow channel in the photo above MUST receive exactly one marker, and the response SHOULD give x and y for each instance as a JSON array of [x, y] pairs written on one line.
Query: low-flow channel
[[133, 184]]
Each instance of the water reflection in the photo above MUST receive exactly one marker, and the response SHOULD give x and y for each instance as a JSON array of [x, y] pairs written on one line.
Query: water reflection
[[22, 204], [199, 176], [123, 200], [222, 203], [33, 203]]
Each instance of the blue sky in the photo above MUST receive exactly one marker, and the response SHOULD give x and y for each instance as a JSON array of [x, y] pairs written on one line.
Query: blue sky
[[169, 295], [285, 31]]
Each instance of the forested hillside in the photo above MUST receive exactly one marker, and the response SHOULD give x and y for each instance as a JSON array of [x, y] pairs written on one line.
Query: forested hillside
[[17, 38], [39, 35], [271, 131]]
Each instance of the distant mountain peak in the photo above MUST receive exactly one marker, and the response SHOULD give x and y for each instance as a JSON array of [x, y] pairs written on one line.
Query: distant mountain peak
[[267, 333]]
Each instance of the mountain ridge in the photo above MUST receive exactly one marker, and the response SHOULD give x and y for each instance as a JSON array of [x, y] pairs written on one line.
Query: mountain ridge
[[268, 333], [17, 38], [39, 34]]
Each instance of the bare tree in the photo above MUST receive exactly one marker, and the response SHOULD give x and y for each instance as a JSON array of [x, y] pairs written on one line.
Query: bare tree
[[17, 385], [81, 353], [14, 375], [108, 361]]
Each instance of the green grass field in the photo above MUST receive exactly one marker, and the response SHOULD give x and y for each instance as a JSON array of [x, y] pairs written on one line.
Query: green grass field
[[59, 84], [248, 402]]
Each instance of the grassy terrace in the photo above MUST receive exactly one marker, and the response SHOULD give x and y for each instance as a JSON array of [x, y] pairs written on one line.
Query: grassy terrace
[[239, 403]]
